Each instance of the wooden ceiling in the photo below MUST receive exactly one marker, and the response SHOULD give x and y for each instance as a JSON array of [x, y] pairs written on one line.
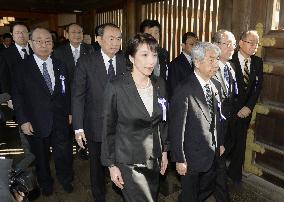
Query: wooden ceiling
[[55, 6]]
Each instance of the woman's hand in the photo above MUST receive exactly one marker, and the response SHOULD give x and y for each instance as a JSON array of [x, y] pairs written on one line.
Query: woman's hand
[[164, 163], [116, 177]]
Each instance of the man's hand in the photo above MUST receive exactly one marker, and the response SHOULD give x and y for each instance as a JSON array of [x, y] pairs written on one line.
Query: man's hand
[[116, 177], [222, 150], [10, 104], [164, 163], [181, 168], [244, 112], [27, 128], [80, 139]]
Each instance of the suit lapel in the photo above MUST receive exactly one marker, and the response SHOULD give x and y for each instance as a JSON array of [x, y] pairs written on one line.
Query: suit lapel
[[133, 94], [200, 99], [119, 65], [38, 75], [56, 76], [101, 68]]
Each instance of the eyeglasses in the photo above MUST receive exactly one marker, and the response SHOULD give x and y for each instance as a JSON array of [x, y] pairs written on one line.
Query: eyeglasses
[[251, 43], [22, 32], [229, 44], [39, 42]]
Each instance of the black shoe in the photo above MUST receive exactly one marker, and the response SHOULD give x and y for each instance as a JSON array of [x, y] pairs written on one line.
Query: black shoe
[[68, 188], [47, 191]]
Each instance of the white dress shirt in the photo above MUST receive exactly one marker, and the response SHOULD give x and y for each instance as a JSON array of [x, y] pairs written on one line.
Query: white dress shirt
[[106, 61], [22, 52]]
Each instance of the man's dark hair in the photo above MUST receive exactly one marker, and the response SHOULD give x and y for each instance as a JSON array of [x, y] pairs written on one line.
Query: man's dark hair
[[150, 24], [71, 24], [101, 28], [19, 23], [246, 33], [136, 41], [7, 35], [186, 35]]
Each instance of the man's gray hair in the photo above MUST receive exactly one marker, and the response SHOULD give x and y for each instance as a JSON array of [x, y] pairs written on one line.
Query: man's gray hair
[[199, 50]]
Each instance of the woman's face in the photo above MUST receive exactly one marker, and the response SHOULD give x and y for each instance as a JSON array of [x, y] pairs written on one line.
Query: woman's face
[[144, 60]]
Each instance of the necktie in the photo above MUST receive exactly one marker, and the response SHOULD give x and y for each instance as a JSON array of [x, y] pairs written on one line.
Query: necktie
[[246, 73], [76, 55], [25, 53], [46, 77], [111, 72], [209, 100], [227, 77]]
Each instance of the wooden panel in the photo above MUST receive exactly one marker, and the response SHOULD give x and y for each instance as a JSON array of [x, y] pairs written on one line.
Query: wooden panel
[[179, 27], [201, 20], [174, 29], [274, 134], [207, 20], [273, 55], [195, 16], [272, 90], [214, 16], [271, 159], [190, 6], [184, 17]]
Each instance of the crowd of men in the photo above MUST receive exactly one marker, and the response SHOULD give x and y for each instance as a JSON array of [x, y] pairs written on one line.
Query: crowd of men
[[56, 89]]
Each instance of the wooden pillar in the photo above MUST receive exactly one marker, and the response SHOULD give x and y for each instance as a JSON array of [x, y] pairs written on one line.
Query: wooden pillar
[[53, 22], [129, 17]]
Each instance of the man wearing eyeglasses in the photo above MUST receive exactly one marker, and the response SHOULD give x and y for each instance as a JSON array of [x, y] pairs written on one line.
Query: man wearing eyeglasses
[[41, 97], [249, 76], [226, 41]]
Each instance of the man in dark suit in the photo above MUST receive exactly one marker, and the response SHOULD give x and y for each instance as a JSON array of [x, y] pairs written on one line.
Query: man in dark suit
[[153, 27], [90, 79], [182, 66], [7, 41], [71, 52], [226, 41], [194, 128], [8, 59], [41, 98], [249, 76]]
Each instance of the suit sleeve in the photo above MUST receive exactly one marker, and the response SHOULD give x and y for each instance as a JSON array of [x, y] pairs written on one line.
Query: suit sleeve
[[257, 86], [78, 94], [5, 76], [178, 113], [109, 126], [18, 96]]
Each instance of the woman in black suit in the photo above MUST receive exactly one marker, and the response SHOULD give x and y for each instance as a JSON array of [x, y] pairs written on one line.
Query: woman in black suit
[[134, 138]]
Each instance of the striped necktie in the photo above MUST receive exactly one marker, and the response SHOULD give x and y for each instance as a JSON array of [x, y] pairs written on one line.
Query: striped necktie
[[25, 53], [46, 77], [246, 73]]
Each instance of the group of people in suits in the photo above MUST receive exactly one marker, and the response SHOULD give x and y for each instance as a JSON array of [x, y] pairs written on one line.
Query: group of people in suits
[[130, 109]]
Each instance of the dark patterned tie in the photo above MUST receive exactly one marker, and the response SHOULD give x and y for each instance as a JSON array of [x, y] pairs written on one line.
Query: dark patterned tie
[[227, 78], [111, 72], [209, 100], [46, 77], [25, 53], [246, 73], [76, 55]]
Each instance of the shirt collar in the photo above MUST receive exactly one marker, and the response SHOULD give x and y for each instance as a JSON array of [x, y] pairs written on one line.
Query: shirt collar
[[40, 61], [188, 57], [73, 48], [201, 81], [20, 47], [107, 58], [242, 58]]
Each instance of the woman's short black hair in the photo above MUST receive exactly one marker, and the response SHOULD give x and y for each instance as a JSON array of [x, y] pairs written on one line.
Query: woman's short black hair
[[136, 41]]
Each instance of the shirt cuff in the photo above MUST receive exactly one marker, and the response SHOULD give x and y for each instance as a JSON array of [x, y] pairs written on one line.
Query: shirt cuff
[[79, 131]]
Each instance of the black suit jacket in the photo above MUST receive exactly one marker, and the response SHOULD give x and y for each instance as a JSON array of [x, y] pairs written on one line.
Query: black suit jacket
[[248, 97], [228, 97], [130, 135], [33, 102], [190, 128], [163, 57], [87, 96], [179, 69], [64, 53], [8, 59]]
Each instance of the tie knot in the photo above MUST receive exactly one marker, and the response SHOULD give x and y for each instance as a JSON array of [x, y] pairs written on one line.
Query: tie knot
[[207, 86], [24, 50], [44, 65], [110, 61]]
